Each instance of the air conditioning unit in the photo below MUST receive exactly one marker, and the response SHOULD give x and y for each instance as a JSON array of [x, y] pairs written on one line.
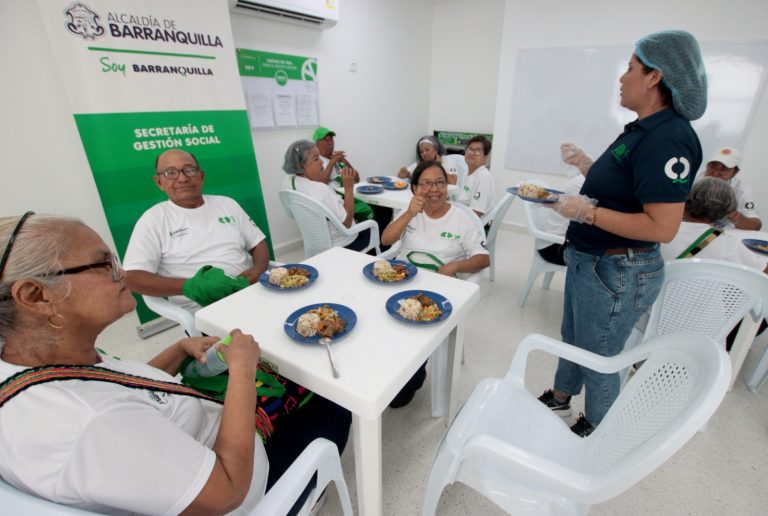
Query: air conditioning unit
[[321, 14]]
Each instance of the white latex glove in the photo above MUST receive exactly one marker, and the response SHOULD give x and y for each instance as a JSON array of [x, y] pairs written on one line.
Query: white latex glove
[[574, 207], [572, 154]]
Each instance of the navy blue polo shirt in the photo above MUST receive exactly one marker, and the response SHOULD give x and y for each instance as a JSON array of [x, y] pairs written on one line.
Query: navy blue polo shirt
[[653, 161]]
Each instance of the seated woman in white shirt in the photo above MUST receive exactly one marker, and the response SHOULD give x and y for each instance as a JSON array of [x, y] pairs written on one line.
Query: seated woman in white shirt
[[116, 436], [478, 191], [435, 236], [429, 148], [305, 174]]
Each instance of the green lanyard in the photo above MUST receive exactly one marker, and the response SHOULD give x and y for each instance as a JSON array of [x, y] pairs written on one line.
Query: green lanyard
[[700, 243], [424, 265]]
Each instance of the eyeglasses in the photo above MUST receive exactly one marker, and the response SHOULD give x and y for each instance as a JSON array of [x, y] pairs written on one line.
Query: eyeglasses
[[9, 245], [473, 151], [427, 185], [113, 264], [173, 173]]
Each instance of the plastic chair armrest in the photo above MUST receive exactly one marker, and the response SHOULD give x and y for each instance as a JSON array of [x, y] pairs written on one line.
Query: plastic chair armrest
[[170, 311], [579, 356], [320, 455], [528, 469]]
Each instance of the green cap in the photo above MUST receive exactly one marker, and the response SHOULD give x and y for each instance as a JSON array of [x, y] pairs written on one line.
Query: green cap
[[224, 342], [321, 132]]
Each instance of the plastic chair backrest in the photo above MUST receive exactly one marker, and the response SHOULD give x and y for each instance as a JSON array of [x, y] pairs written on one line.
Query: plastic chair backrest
[[536, 216], [496, 217], [683, 380], [706, 296], [312, 218]]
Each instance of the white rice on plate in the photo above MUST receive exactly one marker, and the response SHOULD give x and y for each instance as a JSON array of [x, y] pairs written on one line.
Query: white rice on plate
[[410, 309], [306, 326], [277, 275]]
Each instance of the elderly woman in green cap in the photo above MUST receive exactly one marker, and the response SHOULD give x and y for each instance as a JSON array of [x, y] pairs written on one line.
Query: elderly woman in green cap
[[632, 199]]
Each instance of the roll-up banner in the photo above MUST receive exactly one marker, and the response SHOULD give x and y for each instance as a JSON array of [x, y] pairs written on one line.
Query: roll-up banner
[[149, 75]]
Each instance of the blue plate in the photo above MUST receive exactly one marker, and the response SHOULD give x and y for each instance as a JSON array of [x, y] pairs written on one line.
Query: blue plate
[[390, 185], [264, 278], [513, 191], [379, 179], [345, 313], [411, 270], [393, 304], [758, 246], [370, 189]]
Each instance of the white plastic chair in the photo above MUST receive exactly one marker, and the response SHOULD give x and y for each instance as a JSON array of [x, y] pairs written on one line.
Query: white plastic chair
[[760, 374], [710, 297], [495, 216], [173, 312], [510, 447], [535, 216], [321, 455], [313, 218]]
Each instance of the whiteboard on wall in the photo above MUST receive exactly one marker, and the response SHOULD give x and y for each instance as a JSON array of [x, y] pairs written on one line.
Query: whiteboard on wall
[[572, 94]]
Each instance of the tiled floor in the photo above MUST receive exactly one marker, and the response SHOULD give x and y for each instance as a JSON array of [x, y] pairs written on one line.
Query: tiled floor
[[719, 472]]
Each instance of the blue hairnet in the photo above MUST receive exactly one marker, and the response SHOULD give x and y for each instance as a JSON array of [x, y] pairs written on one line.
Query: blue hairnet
[[296, 155], [676, 54]]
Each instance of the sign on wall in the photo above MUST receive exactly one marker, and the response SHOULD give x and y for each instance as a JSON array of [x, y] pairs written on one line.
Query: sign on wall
[[146, 76], [280, 89]]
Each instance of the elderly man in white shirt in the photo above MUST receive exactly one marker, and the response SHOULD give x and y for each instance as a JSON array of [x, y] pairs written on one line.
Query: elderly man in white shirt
[[725, 165]]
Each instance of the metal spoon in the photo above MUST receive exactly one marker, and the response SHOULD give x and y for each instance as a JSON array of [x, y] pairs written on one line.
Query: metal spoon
[[325, 341]]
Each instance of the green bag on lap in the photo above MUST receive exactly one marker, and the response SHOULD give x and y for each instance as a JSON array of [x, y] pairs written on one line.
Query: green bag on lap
[[209, 284]]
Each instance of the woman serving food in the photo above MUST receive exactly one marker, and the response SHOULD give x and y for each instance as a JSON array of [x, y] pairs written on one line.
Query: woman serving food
[[632, 199], [146, 443], [436, 236]]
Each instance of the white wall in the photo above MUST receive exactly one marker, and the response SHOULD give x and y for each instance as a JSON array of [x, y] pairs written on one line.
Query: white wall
[[603, 22], [378, 112], [462, 95]]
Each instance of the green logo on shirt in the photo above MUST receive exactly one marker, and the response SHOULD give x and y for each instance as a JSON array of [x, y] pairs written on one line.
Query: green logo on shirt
[[449, 236], [227, 220], [619, 152]]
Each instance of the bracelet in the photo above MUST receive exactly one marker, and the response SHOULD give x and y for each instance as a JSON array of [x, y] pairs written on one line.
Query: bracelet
[[589, 217]]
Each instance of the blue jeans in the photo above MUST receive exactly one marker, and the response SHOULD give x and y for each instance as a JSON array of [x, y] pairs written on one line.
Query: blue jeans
[[604, 298]]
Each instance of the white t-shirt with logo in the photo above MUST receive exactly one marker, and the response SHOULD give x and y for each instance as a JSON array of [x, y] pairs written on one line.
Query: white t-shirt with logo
[[478, 191], [100, 446], [454, 236], [327, 196], [172, 241], [745, 198], [725, 247]]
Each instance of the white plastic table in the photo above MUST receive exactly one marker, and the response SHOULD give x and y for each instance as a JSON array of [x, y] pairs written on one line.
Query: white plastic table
[[375, 359], [395, 199]]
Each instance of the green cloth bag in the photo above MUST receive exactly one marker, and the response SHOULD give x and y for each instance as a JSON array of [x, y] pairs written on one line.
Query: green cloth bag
[[209, 284]]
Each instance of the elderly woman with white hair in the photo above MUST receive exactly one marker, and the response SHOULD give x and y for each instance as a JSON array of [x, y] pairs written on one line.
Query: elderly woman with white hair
[[305, 174], [86, 429], [429, 148], [632, 199]]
